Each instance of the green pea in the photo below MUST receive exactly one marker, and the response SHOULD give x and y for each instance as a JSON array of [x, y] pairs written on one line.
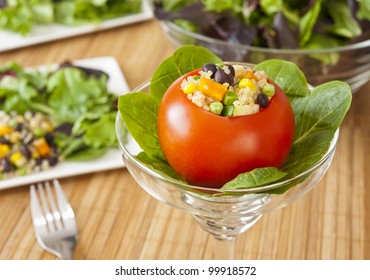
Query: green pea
[[216, 108], [38, 132], [22, 171], [268, 89]]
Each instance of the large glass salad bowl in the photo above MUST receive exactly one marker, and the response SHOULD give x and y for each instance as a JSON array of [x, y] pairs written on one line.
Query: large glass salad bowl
[[347, 63], [224, 214], [328, 40]]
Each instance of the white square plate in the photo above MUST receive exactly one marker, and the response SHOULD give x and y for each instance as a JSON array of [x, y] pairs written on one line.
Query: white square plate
[[52, 32], [110, 160]]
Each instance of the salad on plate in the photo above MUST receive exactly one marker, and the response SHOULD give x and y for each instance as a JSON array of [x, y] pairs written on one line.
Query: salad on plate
[[20, 16], [51, 115]]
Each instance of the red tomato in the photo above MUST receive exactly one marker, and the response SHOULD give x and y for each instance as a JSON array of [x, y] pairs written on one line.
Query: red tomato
[[209, 150]]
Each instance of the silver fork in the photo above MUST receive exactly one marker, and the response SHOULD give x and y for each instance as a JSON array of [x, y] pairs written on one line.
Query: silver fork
[[54, 222]]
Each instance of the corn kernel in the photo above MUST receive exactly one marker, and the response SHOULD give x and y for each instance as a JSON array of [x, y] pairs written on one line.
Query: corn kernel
[[5, 129], [4, 149], [18, 159], [248, 83], [47, 126], [189, 88], [14, 137], [15, 157]]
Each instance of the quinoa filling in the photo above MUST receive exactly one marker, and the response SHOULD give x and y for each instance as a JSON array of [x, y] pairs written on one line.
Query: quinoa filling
[[26, 144], [229, 90]]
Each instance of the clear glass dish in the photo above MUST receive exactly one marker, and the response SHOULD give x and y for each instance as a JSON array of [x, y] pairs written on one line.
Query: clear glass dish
[[224, 214]]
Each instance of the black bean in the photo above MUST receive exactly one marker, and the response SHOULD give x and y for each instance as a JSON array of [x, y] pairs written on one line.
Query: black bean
[[3, 140], [65, 128], [53, 160], [210, 67], [6, 164], [262, 100], [231, 69], [231, 75], [18, 126], [221, 77], [49, 137], [26, 152]]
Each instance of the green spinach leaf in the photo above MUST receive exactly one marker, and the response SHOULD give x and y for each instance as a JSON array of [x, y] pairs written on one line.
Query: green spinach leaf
[[184, 60], [160, 165], [286, 75], [139, 111], [255, 178]]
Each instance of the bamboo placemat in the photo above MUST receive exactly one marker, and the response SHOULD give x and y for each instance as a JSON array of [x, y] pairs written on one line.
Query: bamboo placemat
[[118, 220]]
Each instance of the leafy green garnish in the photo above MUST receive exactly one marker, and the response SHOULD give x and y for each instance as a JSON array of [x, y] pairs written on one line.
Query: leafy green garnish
[[181, 62], [159, 165], [318, 114], [140, 114], [255, 178], [294, 84]]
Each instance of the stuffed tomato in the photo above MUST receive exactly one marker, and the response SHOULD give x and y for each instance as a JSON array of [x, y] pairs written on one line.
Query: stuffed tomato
[[220, 121]]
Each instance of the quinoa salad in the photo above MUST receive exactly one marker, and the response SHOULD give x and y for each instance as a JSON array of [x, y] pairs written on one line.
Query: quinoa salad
[[229, 90], [26, 144]]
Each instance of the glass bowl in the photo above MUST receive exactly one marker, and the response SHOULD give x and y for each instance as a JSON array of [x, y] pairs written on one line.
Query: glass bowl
[[224, 214], [349, 63]]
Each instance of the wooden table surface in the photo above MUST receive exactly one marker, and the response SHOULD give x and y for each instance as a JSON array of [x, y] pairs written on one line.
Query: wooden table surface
[[119, 220]]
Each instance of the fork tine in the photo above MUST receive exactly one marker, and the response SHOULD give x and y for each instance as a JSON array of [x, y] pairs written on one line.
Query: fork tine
[[54, 210], [65, 208], [37, 213], [46, 209]]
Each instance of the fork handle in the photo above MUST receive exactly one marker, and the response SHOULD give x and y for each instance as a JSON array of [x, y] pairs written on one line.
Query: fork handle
[[66, 250]]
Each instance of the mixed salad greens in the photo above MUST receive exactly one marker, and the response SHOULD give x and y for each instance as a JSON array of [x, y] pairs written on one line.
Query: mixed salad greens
[[74, 98], [21, 15], [291, 24], [318, 114]]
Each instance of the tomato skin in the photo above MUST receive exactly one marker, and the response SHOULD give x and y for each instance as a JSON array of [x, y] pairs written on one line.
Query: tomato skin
[[209, 150]]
